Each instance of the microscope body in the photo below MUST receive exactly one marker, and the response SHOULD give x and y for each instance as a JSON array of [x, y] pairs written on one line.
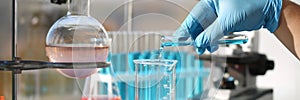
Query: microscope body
[[240, 76]]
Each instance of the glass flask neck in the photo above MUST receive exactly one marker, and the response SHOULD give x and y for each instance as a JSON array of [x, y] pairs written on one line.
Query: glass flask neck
[[79, 7]]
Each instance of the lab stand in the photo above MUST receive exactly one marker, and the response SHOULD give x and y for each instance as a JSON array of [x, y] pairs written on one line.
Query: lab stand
[[17, 65]]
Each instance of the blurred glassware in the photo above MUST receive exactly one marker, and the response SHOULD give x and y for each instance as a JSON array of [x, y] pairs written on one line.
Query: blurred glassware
[[100, 87], [77, 37], [155, 79]]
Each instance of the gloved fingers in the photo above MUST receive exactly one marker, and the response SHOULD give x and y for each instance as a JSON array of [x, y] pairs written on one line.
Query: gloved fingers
[[200, 50], [181, 34], [213, 48], [189, 28], [209, 37], [201, 16]]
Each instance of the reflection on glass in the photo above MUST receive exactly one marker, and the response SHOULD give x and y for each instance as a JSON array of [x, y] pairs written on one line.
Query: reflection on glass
[[155, 79], [100, 87], [77, 37]]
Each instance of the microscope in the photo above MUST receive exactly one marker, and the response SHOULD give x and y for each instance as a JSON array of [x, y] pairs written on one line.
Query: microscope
[[239, 78], [244, 69]]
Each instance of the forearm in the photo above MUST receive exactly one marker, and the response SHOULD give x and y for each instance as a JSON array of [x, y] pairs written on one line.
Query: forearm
[[288, 31]]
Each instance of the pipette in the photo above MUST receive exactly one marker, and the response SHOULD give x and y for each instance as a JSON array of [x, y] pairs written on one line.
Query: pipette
[[228, 39]]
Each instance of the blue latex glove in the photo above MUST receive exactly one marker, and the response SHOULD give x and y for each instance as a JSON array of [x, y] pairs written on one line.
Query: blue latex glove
[[210, 20]]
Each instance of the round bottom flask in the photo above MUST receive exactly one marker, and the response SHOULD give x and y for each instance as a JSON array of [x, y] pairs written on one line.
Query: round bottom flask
[[77, 37]]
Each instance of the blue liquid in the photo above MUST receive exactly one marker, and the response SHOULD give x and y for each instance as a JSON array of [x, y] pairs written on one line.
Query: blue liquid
[[234, 41], [170, 44], [184, 43]]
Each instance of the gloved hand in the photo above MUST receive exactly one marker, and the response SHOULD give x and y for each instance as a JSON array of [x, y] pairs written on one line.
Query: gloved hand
[[210, 20]]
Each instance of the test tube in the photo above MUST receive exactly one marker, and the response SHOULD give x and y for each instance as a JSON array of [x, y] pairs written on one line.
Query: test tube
[[228, 39]]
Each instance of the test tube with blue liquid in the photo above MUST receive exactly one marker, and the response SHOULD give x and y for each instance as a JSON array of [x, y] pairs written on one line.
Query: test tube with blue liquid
[[228, 39]]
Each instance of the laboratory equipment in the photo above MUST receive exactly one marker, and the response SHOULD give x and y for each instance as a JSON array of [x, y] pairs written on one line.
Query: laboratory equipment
[[100, 87], [227, 39], [17, 65], [155, 79], [168, 41], [239, 79], [77, 37], [192, 76]]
